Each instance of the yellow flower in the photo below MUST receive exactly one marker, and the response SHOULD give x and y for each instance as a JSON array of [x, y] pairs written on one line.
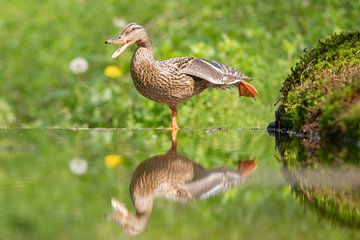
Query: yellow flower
[[113, 160], [112, 71]]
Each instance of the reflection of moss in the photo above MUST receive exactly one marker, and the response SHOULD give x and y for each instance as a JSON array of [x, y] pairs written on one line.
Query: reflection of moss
[[324, 83], [307, 170], [339, 206]]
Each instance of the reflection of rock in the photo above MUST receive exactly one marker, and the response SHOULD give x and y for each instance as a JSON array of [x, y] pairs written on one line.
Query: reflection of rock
[[327, 179], [174, 177]]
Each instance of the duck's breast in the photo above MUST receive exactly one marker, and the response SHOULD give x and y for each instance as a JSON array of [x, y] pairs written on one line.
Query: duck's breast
[[162, 82], [161, 176]]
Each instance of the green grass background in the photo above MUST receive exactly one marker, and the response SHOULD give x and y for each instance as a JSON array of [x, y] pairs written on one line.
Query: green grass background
[[262, 38]]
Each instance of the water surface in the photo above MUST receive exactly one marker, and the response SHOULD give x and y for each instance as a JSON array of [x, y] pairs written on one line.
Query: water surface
[[58, 184]]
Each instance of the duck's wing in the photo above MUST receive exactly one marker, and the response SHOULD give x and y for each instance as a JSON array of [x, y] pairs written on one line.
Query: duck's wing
[[209, 182], [177, 63], [213, 72], [213, 184]]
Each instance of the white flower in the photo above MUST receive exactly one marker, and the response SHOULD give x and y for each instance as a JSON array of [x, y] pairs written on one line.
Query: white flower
[[78, 166], [79, 65], [119, 22]]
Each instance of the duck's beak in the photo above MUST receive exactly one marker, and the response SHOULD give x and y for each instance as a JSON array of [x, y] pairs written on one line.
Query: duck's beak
[[118, 40]]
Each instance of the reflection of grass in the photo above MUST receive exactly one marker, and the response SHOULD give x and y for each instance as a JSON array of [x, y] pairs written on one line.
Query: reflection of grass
[[260, 38]]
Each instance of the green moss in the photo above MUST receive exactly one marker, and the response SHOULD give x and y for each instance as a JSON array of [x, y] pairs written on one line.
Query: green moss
[[334, 120], [331, 53], [327, 70]]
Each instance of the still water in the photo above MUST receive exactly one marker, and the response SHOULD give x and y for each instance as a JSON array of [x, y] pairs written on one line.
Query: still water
[[214, 184]]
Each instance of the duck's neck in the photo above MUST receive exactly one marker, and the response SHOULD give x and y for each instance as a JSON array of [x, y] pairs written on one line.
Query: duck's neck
[[144, 48], [143, 53], [143, 60], [145, 43], [143, 204]]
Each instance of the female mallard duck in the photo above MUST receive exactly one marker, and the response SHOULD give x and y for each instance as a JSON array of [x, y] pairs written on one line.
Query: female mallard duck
[[174, 177], [174, 80]]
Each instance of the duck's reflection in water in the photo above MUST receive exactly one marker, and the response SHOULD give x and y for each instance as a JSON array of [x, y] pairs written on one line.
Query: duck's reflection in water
[[175, 177]]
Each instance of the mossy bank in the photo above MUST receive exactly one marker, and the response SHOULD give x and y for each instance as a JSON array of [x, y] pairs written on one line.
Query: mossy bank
[[322, 93]]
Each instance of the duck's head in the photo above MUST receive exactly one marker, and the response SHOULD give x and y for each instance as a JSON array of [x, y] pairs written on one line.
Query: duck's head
[[132, 33], [131, 224]]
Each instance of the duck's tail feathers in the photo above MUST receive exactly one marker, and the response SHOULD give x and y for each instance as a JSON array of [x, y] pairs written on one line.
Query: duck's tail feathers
[[246, 168], [247, 90]]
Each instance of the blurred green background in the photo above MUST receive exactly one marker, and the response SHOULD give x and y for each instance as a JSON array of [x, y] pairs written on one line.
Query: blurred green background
[[262, 38]]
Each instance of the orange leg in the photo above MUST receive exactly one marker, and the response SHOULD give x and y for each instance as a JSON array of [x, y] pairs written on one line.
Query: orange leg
[[174, 127], [173, 138], [173, 120]]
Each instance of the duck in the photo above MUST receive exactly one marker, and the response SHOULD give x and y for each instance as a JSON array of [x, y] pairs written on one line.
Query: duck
[[174, 177], [175, 80]]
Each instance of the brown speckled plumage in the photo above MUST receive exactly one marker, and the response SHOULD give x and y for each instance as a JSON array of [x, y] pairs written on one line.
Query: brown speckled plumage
[[170, 176], [161, 81], [161, 176], [175, 177], [174, 80]]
